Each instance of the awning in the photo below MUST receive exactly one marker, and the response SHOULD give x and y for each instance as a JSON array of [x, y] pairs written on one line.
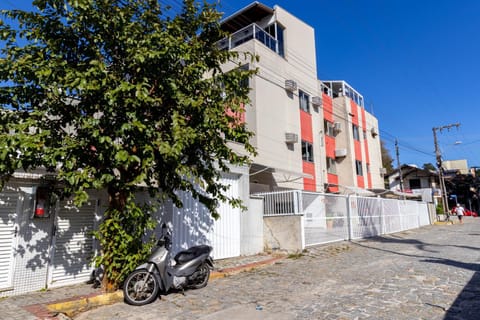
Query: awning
[[356, 190], [252, 13], [287, 174]]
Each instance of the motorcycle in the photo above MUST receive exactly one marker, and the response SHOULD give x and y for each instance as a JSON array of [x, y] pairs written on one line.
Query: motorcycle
[[189, 269]]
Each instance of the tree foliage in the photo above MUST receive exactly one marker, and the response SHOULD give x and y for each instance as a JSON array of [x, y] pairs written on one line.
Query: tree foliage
[[429, 166], [114, 94], [387, 159]]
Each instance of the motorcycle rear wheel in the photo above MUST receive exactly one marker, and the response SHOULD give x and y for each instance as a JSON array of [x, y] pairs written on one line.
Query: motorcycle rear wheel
[[141, 287], [199, 278]]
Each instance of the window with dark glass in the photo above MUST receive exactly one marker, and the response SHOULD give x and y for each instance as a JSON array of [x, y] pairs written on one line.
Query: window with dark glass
[[358, 167], [276, 32], [414, 184], [356, 133], [307, 151], [304, 101]]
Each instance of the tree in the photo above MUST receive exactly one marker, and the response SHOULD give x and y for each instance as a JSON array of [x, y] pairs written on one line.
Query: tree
[[387, 159], [115, 94], [429, 166]]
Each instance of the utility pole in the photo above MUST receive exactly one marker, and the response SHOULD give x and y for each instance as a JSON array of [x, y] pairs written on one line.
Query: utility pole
[[398, 165], [439, 163]]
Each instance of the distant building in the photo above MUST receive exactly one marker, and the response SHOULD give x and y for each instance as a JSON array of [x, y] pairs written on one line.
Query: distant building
[[416, 181], [456, 165]]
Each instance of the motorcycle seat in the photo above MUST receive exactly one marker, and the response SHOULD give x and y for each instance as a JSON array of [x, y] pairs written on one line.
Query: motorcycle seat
[[192, 253]]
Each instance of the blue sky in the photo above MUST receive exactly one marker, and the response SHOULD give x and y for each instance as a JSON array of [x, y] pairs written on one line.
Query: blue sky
[[414, 61]]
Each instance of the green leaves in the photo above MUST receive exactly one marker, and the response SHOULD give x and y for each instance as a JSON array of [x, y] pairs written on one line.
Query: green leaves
[[112, 95]]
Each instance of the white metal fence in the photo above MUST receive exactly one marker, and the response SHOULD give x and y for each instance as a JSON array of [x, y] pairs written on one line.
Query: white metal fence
[[329, 217]]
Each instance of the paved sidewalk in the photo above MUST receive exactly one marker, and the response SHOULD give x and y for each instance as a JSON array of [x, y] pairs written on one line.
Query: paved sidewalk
[[60, 303]]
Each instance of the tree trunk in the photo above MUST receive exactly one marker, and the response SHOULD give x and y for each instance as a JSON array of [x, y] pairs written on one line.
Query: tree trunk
[[116, 202]]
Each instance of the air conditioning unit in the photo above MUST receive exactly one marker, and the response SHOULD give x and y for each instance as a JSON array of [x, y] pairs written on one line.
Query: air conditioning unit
[[374, 132], [290, 85], [291, 137], [337, 126], [317, 101], [383, 171], [340, 153]]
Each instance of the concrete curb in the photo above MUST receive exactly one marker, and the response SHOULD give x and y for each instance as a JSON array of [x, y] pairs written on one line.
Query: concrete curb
[[243, 268], [74, 306]]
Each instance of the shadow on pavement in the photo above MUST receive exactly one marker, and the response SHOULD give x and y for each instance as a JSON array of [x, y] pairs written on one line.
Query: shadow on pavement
[[467, 304]]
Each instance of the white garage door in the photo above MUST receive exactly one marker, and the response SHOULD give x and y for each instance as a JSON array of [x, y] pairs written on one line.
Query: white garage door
[[8, 234], [73, 243]]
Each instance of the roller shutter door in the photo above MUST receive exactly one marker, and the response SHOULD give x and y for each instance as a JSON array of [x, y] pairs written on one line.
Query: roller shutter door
[[73, 244], [8, 216]]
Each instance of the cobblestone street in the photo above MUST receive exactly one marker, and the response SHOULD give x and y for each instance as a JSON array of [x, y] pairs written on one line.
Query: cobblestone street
[[428, 273]]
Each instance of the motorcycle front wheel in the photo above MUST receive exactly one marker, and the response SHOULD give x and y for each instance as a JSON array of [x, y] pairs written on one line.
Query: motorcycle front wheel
[[141, 287], [199, 278]]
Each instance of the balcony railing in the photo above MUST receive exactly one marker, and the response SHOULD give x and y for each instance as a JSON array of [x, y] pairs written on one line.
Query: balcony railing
[[246, 34]]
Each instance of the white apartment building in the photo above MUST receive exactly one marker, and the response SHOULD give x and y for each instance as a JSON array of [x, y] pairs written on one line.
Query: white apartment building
[[287, 111]]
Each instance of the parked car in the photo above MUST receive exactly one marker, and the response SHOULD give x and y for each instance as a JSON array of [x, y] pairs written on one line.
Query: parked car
[[466, 212]]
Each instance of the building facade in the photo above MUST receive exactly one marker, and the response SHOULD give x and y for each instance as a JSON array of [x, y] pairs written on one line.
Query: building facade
[[352, 143], [296, 118]]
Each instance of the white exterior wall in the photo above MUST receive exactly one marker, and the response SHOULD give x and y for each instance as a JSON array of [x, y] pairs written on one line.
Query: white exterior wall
[[274, 111], [375, 152], [344, 140]]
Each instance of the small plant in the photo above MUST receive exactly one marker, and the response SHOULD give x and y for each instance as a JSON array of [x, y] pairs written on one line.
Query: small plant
[[296, 255], [439, 209]]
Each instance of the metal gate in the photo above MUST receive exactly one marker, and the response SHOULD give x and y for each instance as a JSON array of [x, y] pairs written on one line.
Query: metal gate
[[329, 217], [225, 236], [325, 218]]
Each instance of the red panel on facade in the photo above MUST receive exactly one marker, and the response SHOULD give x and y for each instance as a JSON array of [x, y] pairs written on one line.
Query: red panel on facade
[[327, 107], [360, 182], [332, 182], [330, 146], [306, 126], [309, 184], [364, 119], [358, 150], [354, 112]]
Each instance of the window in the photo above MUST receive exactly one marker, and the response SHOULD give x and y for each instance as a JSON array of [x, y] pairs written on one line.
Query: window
[[304, 100], [414, 184], [356, 134], [307, 151], [245, 83], [276, 31], [358, 166], [331, 166], [328, 128]]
